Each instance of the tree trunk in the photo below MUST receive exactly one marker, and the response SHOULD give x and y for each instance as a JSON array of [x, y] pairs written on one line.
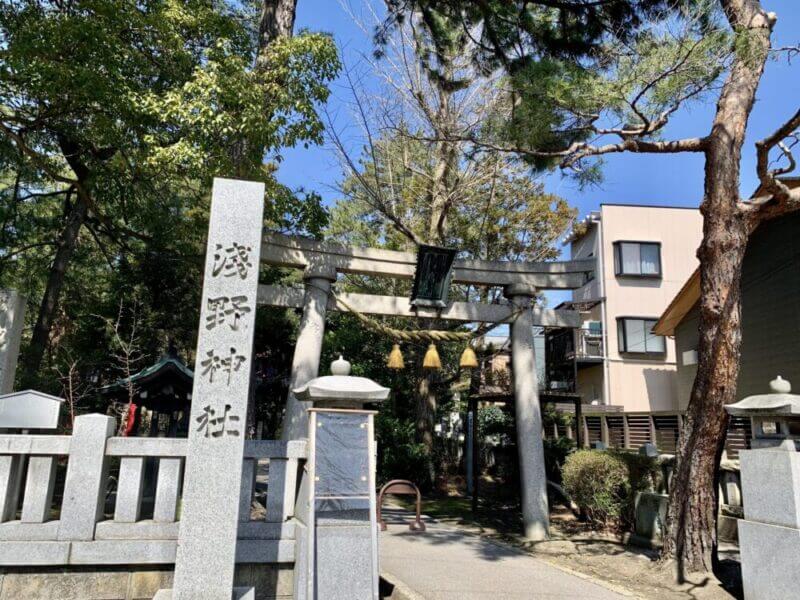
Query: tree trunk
[[426, 414], [691, 518], [277, 20], [67, 242]]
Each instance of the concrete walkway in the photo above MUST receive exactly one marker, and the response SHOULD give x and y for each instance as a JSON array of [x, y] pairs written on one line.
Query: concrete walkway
[[447, 563]]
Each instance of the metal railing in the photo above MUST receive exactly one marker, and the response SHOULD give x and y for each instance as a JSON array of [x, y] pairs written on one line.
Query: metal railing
[[588, 344]]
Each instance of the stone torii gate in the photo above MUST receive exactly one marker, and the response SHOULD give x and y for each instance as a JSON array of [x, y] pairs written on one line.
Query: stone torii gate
[[322, 261]]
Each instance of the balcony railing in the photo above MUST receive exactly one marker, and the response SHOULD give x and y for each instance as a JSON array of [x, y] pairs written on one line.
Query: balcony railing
[[588, 344]]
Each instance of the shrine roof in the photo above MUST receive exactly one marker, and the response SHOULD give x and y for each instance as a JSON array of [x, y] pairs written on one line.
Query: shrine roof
[[170, 364]]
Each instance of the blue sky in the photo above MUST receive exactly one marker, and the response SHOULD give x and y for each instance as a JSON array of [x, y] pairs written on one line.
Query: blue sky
[[668, 180], [675, 180]]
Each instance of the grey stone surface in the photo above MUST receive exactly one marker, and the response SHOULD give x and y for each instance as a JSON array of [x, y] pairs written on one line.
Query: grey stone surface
[[129, 489], [123, 552], [145, 584], [648, 449], [210, 513], [167, 489], [282, 489], [29, 409], [275, 449], [447, 563], [140, 530], [247, 486], [12, 320], [535, 515], [650, 518], [65, 586], [778, 402], [259, 530], [87, 476], [38, 489], [769, 561], [139, 446], [265, 551], [131, 552], [329, 389], [307, 350], [34, 553], [11, 470], [344, 563], [19, 531], [237, 593], [301, 565], [771, 486], [271, 583]]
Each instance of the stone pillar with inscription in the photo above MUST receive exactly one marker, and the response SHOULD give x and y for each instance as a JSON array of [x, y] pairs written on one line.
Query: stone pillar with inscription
[[205, 562], [307, 351], [12, 318], [528, 415]]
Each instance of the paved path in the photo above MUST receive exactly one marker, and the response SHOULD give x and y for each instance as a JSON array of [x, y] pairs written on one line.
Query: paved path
[[447, 563]]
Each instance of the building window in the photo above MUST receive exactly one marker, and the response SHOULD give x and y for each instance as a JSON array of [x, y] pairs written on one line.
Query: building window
[[636, 336], [637, 259]]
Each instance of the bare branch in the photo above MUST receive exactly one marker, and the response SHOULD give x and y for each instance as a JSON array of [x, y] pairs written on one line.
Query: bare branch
[[769, 177]]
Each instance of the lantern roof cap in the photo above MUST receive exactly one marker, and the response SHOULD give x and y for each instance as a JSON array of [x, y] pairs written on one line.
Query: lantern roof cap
[[779, 402], [345, 387]]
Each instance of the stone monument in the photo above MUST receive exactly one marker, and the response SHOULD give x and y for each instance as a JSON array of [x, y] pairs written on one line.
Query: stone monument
[[342, 536], [769, 534], [12, 320], [204, 566]]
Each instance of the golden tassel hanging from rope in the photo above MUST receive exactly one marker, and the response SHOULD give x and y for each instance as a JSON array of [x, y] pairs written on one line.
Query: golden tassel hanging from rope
[[468, 359], [395, 360], [431, 360]]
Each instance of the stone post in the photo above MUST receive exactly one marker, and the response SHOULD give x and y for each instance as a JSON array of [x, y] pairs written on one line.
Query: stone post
[[205, 560], [533, 480], [12, 317], [307, 351], [87, 477]]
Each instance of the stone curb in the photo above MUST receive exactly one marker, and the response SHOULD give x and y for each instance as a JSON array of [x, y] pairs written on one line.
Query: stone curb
[[400, 590]]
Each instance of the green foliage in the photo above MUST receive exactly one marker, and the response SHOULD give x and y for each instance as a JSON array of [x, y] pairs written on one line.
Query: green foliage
[[604, 484], [141, 104], [556, 451], [644, 475], [399, 456], [493, 420], [598, 483], [578, 82]]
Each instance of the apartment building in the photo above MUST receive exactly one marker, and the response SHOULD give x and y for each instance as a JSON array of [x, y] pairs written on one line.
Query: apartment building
[[644, 255]]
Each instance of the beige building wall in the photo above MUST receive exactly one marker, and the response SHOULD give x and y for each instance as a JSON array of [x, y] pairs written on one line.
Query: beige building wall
[[635, 382], [590, 384]]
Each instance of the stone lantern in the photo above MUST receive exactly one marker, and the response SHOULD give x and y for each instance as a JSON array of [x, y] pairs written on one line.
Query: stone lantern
[[775, 417], [769, 534], [342, 536]]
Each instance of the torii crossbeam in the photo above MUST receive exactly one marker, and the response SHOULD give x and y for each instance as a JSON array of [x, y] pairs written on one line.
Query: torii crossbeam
[[323, 261]]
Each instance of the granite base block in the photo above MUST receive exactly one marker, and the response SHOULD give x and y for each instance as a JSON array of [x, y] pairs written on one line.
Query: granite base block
[[769, 561], [270, 582], [238, 594]]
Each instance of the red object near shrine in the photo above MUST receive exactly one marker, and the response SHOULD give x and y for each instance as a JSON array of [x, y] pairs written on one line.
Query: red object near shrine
[[131, 420]]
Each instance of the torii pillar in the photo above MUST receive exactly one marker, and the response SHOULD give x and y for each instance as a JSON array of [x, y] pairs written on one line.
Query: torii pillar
[[533, 479], [308, 349]]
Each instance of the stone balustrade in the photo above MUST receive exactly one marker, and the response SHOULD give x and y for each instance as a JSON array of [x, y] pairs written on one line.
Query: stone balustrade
[[91, 524]]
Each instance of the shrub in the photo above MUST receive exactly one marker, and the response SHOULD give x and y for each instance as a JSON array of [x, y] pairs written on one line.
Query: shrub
[[556, 451], [598, 482]]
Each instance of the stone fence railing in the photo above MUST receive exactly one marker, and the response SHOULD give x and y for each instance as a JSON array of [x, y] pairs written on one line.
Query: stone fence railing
[[74, 517]]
